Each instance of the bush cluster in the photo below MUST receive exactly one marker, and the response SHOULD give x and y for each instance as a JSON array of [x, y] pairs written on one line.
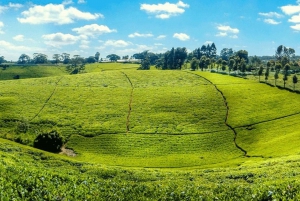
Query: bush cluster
[[51, 141]]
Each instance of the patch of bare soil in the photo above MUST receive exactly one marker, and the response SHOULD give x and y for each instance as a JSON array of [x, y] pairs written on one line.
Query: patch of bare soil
[[68, 152]]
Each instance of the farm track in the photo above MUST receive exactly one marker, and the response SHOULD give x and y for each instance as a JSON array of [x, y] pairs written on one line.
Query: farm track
[[47, 100], [227, 113], [269, 120], [130, 104]]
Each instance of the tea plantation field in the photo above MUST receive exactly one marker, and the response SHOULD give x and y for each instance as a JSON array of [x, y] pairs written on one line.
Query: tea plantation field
[[168, 135]]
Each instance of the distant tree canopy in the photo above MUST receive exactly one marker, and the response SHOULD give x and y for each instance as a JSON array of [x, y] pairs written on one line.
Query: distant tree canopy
[[23, 59], [39, 58], [151, 56], [226, 53], [97, 56], [113, 57], [76, 65], [2, 60], [210, 51], [172, 59]]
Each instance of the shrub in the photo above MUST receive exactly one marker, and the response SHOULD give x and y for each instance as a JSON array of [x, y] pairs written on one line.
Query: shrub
[[51, 141]]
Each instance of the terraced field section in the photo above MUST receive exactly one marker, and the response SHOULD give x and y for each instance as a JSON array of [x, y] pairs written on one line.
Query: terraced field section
[[128, 118], [154, 118], [266, 119]]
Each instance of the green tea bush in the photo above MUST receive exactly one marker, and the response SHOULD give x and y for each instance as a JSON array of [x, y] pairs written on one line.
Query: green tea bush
[[51, 141]]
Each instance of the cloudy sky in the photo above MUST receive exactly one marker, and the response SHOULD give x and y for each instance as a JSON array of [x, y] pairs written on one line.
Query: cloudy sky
[[125, 27]]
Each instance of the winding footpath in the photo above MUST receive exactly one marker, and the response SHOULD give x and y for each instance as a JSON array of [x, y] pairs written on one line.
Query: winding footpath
[[129, 105], [227, 113]]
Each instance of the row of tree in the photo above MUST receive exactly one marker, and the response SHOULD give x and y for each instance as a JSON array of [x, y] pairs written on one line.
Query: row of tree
[[65, 58]]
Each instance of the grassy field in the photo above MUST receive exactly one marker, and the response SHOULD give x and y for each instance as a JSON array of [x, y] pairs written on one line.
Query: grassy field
[[57, 177], [149, 135]]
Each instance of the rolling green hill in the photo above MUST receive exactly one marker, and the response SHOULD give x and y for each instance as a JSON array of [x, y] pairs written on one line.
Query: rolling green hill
[[222, 134]]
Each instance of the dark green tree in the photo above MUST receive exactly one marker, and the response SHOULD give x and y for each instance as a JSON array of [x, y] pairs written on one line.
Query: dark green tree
[[267, 73], [276, 76], [194, 64], [113, 57], [2, 60], [57, 58], [65, 58], [76, 65], [39, 58], [224, 63], [145, 65], [97, 56], [260, 72], [91, 59], [23, 59], [285, 74], [226, 53], [51, 142], [231, 64], [295, 80]]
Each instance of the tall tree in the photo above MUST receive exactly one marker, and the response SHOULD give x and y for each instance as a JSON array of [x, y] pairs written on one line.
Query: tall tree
[[231, 64], [2, 59], [285, 74], [97, 56], [295, 80], [224, 63], [260, 72], [194, 64], [226, 53], [145, 65], [65, 58], [267, 73], [23, 59], [276, 76], [57, 58]]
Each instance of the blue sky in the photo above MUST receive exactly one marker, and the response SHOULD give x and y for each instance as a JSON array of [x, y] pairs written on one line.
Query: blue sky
[[126, 27]]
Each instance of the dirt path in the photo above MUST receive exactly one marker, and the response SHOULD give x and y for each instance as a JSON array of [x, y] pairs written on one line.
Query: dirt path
[[226, 116], [47, 100], [129, 105]]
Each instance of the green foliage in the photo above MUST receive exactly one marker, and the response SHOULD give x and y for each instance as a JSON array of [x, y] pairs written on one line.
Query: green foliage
[[49, 141], [194, 64], [145, 65]]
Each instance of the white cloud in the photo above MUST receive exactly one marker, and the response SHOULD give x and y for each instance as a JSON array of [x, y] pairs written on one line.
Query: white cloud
[[9, 46], [227, 31], [3, 8], [181, 36], [271, 14], [19, 38], [55, 13], [93, 30], [158, 44], [166, 10], [81, 1], [271, 21], [161, 37], [60, 39], [67, 2], [296, 27], [221, 34], [295, 19], [208, 42], [290, 9], [1, 25], [117, 43], [15, 5], [139, 35]]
